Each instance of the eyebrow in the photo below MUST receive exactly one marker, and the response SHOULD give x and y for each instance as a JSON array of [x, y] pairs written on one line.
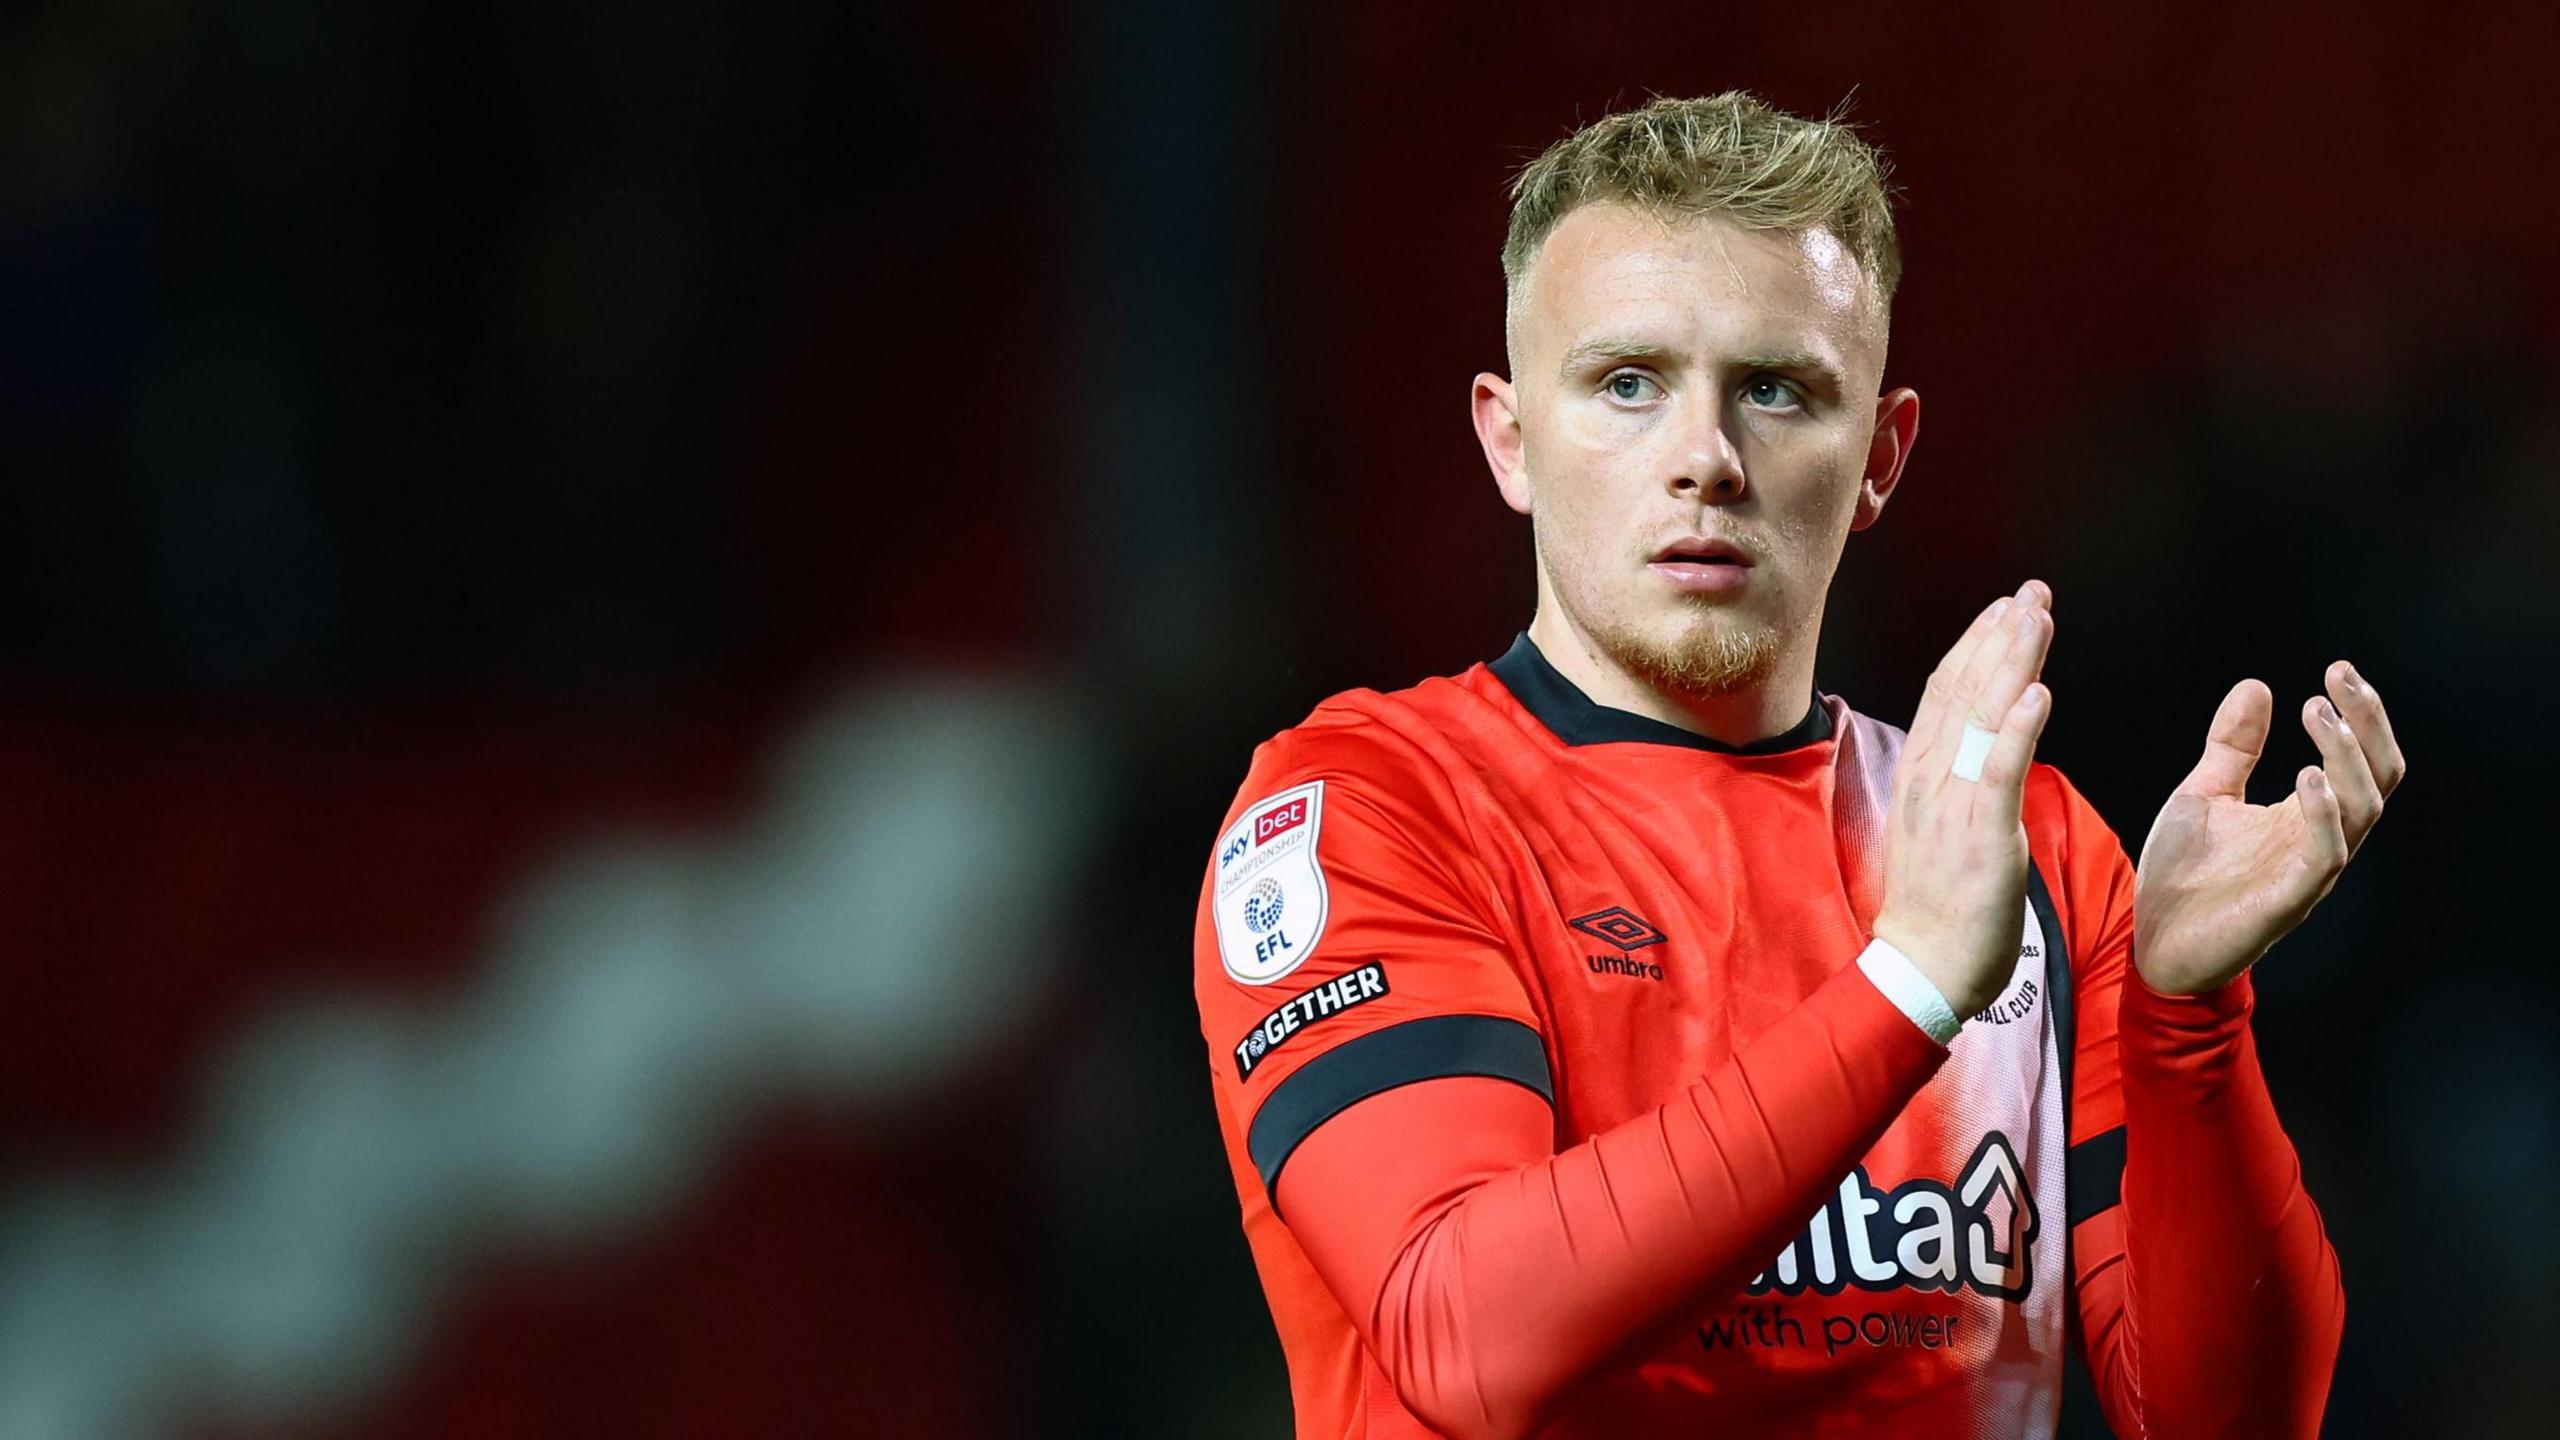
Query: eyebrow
[[1610, 347], [1800, 360]]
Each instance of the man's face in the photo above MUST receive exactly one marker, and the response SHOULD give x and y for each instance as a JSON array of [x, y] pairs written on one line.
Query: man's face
[[1681, 385]]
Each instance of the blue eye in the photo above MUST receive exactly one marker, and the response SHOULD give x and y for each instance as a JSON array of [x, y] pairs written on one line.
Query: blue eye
[[1628, 386], [1771, 393]]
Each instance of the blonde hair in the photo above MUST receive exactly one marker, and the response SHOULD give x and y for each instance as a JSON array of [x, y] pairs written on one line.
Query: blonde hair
[[1732, 156]]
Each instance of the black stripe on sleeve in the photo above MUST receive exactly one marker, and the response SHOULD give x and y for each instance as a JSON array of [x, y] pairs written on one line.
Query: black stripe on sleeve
[[1426, 1049], [2093, 1175]]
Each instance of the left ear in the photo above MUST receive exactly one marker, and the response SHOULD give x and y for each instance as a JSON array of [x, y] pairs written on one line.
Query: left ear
[[1897, 429]]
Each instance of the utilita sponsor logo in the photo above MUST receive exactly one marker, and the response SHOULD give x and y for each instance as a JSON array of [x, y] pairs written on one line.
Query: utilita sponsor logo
[[1978, 1233]]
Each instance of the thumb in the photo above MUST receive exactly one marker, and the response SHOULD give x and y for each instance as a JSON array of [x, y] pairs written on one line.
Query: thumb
[[2232, 744]]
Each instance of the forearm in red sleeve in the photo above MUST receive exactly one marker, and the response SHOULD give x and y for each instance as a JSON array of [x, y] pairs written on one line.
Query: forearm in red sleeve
[[2223, 1316], [1490, 1274]]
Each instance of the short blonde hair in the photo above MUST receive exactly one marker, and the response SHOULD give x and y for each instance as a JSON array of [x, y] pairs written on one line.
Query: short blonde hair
[[1733, 156]]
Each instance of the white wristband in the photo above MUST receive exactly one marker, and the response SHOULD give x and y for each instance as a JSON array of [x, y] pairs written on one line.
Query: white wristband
[[1911, 992]]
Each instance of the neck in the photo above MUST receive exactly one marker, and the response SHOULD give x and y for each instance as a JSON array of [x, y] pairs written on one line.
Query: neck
[[1771, 706]]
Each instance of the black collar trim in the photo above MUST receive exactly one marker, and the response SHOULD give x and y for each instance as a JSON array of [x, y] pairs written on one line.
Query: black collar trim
[[1561, 706]]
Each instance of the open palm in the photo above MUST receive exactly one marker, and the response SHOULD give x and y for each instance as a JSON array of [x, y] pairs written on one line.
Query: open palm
[[2220, 880]]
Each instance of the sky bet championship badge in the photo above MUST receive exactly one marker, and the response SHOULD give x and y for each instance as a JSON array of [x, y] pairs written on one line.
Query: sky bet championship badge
[[1270, 890]]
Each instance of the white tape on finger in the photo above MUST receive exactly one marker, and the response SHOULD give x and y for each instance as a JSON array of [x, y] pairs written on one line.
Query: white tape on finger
[[1971, 751]]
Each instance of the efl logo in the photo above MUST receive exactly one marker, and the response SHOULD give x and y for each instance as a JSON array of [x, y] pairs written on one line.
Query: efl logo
[[1280, 820], [1269, 898]]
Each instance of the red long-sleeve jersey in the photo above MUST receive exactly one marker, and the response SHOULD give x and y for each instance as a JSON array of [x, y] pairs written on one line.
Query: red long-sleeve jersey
[[1557, 1104]]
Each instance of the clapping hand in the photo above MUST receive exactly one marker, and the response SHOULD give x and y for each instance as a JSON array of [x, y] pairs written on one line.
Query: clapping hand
[[1955, 862], [2220, 880]]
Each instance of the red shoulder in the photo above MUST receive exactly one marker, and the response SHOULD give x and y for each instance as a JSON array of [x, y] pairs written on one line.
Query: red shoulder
[[1399, 751]]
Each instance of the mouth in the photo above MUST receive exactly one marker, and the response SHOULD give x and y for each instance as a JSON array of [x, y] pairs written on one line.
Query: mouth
[[1702, 552], [1703, 567]]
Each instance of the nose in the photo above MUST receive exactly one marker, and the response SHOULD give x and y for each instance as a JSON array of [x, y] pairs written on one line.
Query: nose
[[1708, 466]]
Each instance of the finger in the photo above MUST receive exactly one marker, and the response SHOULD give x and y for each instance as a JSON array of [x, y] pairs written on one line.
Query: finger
[[2008, 675], [2233, 742], [1935, 697], [1952, 698], [1986, 626], [1999, 669], [2004, 772], [2015, 671], [2357, 700], [2350, 779], [2328, 853]]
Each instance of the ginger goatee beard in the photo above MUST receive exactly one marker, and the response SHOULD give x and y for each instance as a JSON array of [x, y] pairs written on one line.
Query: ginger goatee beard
[[1713, 655], [1718, 657]]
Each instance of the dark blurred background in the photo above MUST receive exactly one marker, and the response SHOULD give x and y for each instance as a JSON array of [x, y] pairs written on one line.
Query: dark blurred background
[[623, 628]]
